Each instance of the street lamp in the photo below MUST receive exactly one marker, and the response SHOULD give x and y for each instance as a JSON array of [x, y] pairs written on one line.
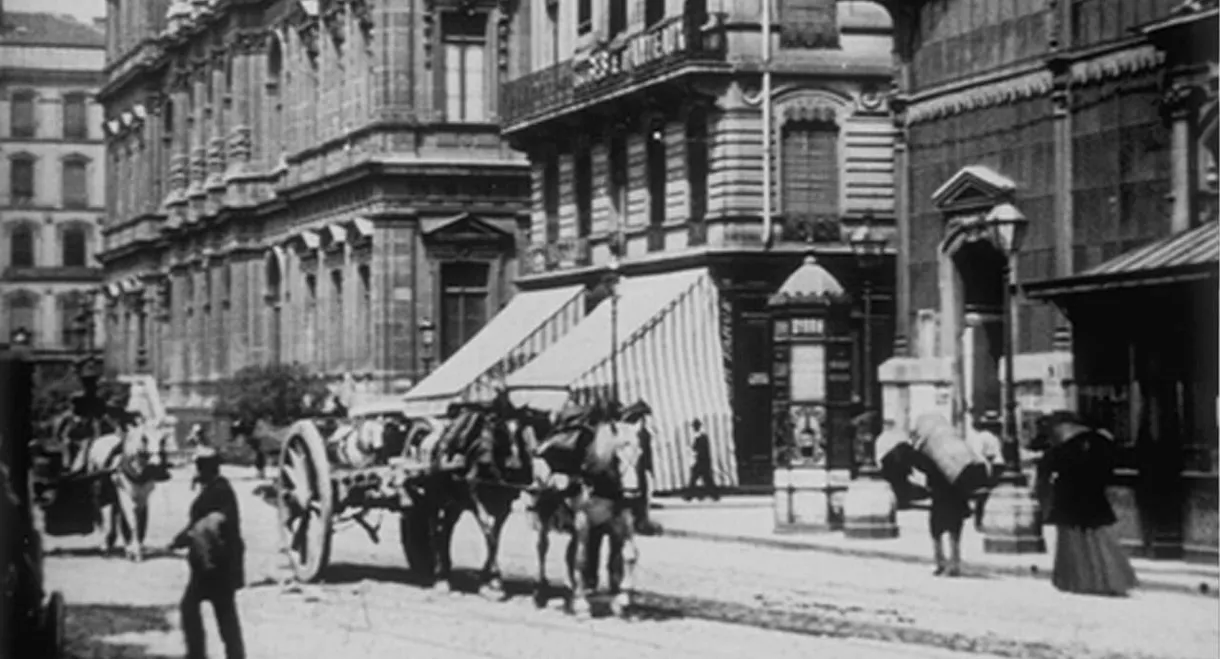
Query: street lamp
[[427, 337], [1008, 224], [612, 277], [869, 250]]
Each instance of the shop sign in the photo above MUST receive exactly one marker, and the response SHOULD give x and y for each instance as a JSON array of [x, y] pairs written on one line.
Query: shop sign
[[640, 50], [808, 326]]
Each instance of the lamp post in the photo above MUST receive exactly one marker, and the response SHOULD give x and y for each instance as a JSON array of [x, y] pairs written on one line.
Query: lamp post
[[869, 506], [612, 276], [1008, 225], [427, 338], [1012, 521], [869, 249]]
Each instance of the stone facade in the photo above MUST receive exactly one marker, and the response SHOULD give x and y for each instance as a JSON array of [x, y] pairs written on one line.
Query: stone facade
[[52, 164], [643, 126], [291, 182], [1103, 135]]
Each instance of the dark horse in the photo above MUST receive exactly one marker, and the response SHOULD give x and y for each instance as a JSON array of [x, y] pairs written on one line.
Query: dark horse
[[481, 466], [587, 483]]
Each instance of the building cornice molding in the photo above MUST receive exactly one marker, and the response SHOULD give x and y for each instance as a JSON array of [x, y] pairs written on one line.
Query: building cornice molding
[[1129, 58]]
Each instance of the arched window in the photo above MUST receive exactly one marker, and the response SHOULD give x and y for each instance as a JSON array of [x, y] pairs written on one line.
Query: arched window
[[21, 179], [75, 246], [76, 182], [21, 246], [23, 120], [76, 120]]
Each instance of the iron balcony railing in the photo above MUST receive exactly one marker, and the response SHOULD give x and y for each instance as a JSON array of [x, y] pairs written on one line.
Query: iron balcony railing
[[608, 67]]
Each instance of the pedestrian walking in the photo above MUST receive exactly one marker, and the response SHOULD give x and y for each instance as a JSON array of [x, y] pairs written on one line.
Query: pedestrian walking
[[985, 443], [1076, 469], [701, 470], [637, 414], [216, 558], [953, 475]]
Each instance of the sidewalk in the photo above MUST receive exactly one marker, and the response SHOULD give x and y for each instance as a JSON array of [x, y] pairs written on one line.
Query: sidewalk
[[750, 520]]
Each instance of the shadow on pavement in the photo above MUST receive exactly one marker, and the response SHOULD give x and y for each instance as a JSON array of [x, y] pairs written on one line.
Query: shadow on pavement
[[104, 622]]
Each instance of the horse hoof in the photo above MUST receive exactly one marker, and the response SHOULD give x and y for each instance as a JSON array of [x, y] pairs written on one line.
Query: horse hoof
[[620, 604], [540, 599], [441, 587], [580, 609], [493, 591]]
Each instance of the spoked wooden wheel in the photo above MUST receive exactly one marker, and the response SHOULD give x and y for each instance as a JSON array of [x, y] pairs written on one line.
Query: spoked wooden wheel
[[306, 500]]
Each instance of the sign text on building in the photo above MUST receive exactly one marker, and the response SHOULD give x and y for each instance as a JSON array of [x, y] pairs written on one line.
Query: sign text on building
[[640, 50]]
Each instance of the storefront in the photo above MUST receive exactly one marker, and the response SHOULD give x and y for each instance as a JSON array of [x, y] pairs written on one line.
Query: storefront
[[1145, 334]]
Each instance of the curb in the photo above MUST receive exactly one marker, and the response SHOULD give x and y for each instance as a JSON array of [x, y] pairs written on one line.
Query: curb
[[1205, 587]]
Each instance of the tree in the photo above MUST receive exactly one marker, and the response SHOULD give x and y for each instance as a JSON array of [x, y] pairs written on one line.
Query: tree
[[275, 393]]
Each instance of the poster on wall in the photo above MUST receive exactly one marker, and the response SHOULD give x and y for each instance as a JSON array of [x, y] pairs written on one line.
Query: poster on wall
[[807, 376], [808, 426]]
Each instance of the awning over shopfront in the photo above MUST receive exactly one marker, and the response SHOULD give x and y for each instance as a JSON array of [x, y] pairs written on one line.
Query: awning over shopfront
[[669, 355], [532, 321], [1191, 255]]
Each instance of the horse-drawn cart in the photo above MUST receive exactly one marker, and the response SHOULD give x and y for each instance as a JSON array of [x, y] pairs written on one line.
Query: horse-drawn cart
[[334, 471]]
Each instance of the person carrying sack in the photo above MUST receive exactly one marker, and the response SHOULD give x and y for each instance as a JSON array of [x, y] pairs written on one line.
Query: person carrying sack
[[216, 558], [954, 473]]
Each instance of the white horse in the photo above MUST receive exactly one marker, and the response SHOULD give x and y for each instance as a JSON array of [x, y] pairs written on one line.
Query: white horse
[[137, 460]]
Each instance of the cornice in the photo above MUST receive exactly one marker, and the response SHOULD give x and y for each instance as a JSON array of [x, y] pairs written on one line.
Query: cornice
[[1011, 86], [1086, 67]]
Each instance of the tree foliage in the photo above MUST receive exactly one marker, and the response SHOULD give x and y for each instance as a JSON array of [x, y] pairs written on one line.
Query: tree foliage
[[55, 387], [275, 393]]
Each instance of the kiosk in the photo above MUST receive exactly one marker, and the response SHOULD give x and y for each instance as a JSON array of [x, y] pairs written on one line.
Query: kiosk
[[812, 399]]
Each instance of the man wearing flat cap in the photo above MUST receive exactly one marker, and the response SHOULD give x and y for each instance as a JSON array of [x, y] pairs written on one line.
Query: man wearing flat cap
[[216, 557]]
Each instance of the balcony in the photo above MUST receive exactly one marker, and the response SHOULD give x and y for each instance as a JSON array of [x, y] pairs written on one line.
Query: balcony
[[613, 67], [565, 253], [810, 228]]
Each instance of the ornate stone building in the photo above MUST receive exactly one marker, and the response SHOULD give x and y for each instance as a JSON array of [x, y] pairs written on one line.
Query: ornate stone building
[[52, 163], [642, 123], [1096, 119], [305, 181]]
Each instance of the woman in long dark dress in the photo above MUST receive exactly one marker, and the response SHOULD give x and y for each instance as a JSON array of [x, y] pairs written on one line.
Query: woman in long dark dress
[[1088, 560]]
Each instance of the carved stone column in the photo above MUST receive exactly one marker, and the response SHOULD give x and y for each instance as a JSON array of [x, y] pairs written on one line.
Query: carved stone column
[[196, 191], [1181, 105], [179, 158], [217, 144], [1064, 208]]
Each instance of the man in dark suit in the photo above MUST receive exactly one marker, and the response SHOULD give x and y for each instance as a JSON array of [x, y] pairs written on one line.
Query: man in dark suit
[[216, 556], [701, 471], [637, 414]]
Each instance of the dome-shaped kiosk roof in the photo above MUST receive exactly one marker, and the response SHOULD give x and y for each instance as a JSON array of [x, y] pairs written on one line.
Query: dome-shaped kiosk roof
[[809, 283]]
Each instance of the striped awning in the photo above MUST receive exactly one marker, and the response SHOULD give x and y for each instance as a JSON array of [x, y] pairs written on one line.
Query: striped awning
[[1190, 255], [669, 355], [531, 322]]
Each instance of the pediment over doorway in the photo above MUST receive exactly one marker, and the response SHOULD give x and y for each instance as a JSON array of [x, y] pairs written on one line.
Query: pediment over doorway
[[973, 187], [464, 228]]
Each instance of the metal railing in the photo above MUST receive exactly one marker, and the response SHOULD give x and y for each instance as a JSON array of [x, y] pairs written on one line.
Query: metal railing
[[610, 66]]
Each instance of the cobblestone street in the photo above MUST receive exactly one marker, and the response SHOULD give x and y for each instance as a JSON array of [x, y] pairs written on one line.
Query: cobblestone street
[[699, 599]]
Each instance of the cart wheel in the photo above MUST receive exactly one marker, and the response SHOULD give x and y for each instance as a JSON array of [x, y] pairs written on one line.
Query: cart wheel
[[305, 497], [53, 624], [415, 532]]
